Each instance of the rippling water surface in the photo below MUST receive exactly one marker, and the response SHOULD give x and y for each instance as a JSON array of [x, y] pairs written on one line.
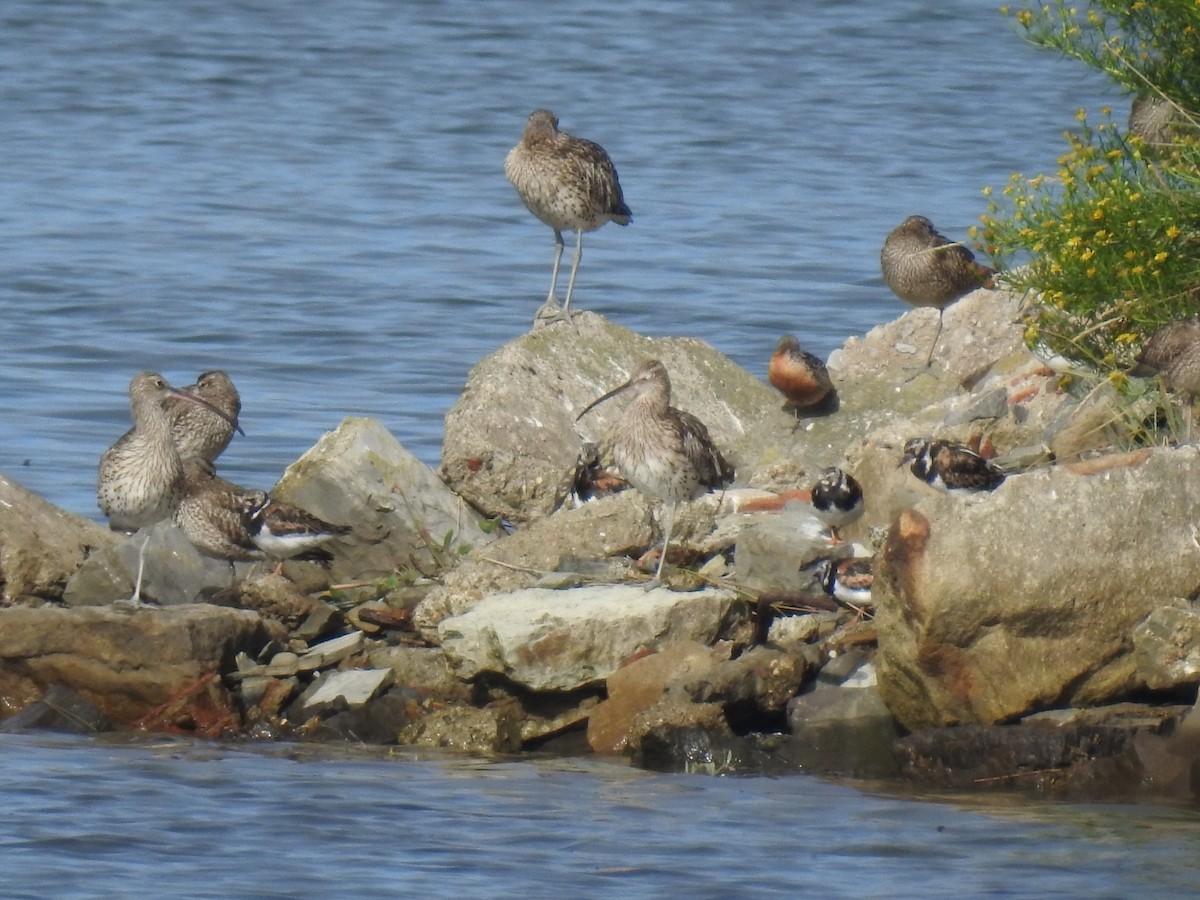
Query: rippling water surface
[[86, 819], [310, 196]]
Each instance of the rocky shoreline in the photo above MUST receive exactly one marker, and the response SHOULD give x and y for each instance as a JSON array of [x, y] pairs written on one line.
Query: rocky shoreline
[[1041, 637]]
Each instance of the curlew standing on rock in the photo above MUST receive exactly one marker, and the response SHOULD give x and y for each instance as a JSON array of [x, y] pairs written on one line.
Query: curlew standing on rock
[[571, 185], [140, 475], [665, 453], [925, 268], [140, 480]]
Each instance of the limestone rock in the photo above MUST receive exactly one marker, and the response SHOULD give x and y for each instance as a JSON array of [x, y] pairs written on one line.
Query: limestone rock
[[512, 442], [402, 514], [616, 525], [994, 605], [350, 688], [1167, 646], [126, 662], [174, 571], [41, 546], [565, 640]]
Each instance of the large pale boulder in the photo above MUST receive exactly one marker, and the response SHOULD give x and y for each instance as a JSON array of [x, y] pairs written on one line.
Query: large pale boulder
[[402, 514], [41, 546], [996, 604], [512, 442], [124, 661], [549, 640]]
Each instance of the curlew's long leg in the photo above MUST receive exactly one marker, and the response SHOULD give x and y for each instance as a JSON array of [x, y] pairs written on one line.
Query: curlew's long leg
[[566, 310], [552, 297], [136, 596], [937, 334], [670, 523], [549, 311]]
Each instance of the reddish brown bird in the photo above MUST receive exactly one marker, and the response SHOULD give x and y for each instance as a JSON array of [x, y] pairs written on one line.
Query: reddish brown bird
[[801, 377]]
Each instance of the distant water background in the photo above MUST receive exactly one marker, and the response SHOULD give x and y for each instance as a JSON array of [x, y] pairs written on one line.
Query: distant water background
[[310, 196]]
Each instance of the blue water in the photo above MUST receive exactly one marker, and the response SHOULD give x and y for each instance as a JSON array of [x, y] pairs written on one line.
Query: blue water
[[88, 819], [310, 196]]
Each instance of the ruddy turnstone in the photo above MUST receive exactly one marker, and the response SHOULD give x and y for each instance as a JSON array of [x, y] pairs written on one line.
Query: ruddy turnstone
[[848, 581], [571, 185], [801, 377], [947, 465], [837, 498], [925, 268], [665, 453]]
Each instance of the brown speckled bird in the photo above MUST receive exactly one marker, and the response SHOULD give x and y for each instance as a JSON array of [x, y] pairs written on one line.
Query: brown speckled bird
[[140, 475], [196, 430], [571, 185], [213, 513], [233, 523], [1173, 352], [925, 268], [801, 377], [665, 453]]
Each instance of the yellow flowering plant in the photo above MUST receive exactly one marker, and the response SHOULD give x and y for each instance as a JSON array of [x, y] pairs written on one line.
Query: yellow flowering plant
[[1110, 244]]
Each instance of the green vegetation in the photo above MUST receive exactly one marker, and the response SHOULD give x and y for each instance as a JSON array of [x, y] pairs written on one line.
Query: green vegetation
[[1111, 242]]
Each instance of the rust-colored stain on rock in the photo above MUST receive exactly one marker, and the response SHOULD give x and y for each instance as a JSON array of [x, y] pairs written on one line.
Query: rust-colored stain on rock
[[903, 556], [950, 667], [1111, 461]]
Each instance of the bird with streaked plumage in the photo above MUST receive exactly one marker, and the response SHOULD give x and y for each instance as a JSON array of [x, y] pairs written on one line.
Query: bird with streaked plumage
[[195, 429], [664, 452], [570, 184], [926, 268]]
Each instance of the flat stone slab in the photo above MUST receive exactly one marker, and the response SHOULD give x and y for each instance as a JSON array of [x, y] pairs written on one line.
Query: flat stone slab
[[550, 640], [356, 687]]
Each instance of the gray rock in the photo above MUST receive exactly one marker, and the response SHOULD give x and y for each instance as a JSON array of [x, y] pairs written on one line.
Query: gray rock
[[351, 687], [612, 526], [772, 551], [402, 514], [1166, 647], [1042, 570], [41, 546], [465, 729], [174, 571], [843, 728], [566, 640]]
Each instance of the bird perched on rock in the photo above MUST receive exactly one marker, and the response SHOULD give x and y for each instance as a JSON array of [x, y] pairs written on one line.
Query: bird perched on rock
[[846, 580], [571, 185], [283, 531], [213, 513], [140, 479], [948, 466], [196, 430], [801, 377], [234, 523], [1173, 352], [140, 476], [665, 453], [837, 498], [925, 268]]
